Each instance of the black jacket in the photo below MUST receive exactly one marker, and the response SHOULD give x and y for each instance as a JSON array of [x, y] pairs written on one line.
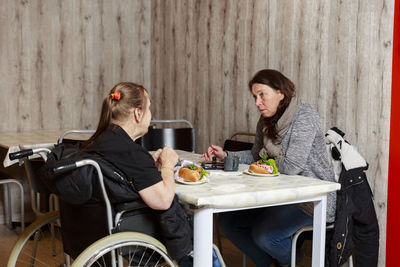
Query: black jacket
[[356, 228]]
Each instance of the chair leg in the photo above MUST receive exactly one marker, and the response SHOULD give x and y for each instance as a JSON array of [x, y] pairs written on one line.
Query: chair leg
[[218, 234], [52, 231], [9, 211], [22, 209], [219, 256], [351, 261], [67, 260], [243, 260], [294, 242], [53, 239], [36, 240]]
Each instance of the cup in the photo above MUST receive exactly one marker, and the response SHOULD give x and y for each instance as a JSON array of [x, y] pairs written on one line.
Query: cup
[[231, 163]]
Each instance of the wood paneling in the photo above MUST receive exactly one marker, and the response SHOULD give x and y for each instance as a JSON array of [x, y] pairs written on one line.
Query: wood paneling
[[338, 53], [59, 58]]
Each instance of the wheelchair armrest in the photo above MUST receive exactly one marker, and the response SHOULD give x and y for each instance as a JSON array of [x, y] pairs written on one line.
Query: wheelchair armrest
[[132, 205]]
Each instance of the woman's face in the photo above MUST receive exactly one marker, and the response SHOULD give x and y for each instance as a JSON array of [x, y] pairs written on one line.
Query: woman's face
[[146, 116], [266, 99], [147, 112]]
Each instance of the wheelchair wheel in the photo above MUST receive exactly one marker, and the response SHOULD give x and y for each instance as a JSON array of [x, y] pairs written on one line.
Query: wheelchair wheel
[[36, 245], [125, 249]]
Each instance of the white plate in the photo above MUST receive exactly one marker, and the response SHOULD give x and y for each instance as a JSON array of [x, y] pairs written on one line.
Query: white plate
[[181, 181], [260, 174]]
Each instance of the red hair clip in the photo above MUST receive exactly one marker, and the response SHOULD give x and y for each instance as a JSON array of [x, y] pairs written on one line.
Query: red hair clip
[[116, 95]]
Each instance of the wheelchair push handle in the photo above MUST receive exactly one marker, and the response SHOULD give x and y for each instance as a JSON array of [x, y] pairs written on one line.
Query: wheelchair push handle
[[21, 154], [71, 165], [41, 151], [64, 168]]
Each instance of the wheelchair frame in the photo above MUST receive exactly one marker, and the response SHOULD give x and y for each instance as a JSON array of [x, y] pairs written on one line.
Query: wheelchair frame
[[103, 245]]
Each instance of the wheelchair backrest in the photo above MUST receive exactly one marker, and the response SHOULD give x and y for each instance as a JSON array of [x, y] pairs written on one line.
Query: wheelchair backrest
[[80, 185]]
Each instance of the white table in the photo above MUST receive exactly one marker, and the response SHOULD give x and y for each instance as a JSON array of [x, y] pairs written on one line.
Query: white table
[[235, 191], [10, 141]]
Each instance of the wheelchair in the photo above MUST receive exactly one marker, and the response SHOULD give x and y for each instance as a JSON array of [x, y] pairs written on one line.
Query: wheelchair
[[128, 240]]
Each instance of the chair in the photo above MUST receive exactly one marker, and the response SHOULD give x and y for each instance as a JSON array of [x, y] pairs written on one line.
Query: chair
[[182, 138], [129, 242], [232, 144], [9, 211], [25, 251], [39, 191], [134, 216], [333, 156], [309, 229], [62, 138]]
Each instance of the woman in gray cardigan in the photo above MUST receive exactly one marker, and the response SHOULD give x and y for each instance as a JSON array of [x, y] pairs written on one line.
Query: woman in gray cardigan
[[290, 132]]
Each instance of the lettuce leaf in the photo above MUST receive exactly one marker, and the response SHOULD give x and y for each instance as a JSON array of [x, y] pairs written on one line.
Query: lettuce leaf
[[203, 173], [272, 163], [192, 167], [263, 159]]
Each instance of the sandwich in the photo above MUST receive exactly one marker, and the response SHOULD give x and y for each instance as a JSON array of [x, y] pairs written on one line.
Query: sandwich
[[264, 166], [192, 173]]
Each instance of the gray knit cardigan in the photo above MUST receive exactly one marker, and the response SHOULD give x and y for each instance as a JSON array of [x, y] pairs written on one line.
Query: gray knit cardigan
[[304, 152]]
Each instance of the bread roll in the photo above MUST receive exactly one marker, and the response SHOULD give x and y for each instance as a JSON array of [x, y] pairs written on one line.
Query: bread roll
[[257, 169], [189, 175]]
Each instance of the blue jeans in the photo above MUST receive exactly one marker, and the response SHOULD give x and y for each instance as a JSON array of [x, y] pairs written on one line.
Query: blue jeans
[[264, 234]]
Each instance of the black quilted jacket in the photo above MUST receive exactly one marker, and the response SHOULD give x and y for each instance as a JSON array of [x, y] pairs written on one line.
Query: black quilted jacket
[[356, 227]]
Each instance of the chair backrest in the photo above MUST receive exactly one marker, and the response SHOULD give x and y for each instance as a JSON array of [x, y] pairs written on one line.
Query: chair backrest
[[177, 138], [85, 221], [236, 145]]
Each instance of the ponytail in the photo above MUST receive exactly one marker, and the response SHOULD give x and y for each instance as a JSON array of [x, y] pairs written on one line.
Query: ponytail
[[117, 105]]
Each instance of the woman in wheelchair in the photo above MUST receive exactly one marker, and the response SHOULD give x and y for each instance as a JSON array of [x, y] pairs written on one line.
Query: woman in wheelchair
[[125, 116]]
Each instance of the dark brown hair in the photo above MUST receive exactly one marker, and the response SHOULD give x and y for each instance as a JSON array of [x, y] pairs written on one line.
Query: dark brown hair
[[276, 81], [131, 96]]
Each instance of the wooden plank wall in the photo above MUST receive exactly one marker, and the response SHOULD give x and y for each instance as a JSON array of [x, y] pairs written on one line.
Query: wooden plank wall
[[59, 58], [338, 53]]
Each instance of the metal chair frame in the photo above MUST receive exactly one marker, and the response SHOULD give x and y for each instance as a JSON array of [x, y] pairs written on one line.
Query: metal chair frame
[[294, 237], [9, 210], [35, 189], [169, 138], [309, 229], [62, 137]]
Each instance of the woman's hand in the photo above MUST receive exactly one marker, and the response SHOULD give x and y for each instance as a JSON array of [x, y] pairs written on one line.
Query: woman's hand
[[214, 151], [160, 195], [168, 157], [156, 157]]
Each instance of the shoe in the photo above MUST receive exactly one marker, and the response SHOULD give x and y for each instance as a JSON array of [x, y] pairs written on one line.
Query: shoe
[[186, 261]]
